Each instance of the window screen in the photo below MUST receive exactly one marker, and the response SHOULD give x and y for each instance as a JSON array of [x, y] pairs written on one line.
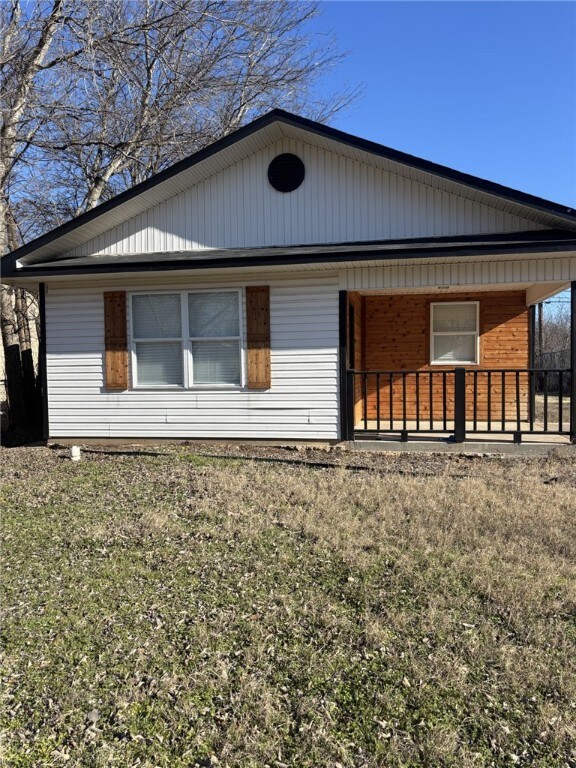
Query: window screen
[[213, 314], [214, 325], [216, 362], [159, 361], [157, 317]]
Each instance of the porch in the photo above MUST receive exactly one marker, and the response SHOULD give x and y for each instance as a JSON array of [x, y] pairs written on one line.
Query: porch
[[396, 383]]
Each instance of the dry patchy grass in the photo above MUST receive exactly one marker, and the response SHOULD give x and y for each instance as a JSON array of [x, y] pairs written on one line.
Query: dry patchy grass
[[242, 607]]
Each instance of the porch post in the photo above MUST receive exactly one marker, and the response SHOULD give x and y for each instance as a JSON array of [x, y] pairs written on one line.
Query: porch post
[[346, 418], [460, 405], [573, 362], [532, 360], [42, 367]]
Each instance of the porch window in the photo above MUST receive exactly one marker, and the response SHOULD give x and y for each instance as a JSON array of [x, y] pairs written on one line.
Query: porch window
[[454, 333], [186, 339]]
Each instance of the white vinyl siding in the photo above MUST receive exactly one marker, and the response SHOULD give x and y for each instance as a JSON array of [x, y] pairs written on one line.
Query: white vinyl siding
[[340, 200], [301, 404]]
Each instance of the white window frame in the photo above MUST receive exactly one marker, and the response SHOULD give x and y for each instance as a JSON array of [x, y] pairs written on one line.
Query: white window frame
[[434, 333], [186, 341]]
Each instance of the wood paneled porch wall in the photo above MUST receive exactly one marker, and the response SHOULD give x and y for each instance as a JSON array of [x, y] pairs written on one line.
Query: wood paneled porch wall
[[393, 333]]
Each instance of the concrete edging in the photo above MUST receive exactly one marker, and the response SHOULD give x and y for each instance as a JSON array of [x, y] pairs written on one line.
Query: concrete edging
[[443, 446]]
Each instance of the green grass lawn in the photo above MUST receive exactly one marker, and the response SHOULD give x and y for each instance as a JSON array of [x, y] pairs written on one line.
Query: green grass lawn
[[198, 606]]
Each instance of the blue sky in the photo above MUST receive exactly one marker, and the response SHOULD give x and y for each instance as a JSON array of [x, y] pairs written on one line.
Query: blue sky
[[488, 88]]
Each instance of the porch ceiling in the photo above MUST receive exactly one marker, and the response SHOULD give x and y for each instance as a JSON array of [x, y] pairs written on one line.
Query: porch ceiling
[[535, 292]]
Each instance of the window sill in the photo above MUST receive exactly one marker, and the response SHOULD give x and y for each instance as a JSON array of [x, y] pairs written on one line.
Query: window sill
[[452, 364], [194, 388]]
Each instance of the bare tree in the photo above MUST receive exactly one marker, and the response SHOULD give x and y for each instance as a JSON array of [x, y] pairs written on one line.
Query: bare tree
[[555, 351], [97, 95], [25, 43], [173, 77]]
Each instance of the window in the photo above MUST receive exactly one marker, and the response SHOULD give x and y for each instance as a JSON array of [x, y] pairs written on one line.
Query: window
[[214, 323], [186, 339], [157, 337], [454, 333]]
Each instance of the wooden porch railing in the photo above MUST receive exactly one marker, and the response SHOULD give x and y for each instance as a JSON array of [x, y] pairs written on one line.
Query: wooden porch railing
[[462, 402]]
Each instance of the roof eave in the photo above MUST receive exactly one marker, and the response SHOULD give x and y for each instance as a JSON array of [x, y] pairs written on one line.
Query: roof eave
[[357, 256]]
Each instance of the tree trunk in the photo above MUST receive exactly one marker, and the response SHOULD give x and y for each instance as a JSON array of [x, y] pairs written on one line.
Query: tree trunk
[[28, 373], [12, 361], [18, 361]]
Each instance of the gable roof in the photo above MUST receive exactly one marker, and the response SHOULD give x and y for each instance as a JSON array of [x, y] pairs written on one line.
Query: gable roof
[[249, 139]]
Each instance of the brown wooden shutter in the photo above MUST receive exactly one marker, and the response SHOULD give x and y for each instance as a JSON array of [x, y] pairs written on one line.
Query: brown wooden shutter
[[115, 341], [258, 332]]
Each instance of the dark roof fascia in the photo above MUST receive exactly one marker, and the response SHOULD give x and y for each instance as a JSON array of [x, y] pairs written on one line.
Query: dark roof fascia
[[272, 260], [372, 147]]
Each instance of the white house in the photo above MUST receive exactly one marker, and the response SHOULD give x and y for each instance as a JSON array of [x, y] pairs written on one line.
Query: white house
[[294, 282]]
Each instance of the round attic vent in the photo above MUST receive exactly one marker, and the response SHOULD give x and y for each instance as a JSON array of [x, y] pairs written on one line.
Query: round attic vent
[[286, 172]]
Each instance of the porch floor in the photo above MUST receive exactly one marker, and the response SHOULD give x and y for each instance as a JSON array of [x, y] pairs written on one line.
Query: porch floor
[[481, 434]]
